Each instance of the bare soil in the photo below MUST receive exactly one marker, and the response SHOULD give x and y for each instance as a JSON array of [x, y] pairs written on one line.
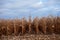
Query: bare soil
[[31, 37]]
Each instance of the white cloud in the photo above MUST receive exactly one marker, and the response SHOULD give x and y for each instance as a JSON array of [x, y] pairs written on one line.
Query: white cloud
[[46, 9], [37, 5], [18, 3], [41, 10], [57, 9]]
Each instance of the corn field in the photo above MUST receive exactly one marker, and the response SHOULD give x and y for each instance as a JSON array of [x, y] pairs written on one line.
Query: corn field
[[21, 27]]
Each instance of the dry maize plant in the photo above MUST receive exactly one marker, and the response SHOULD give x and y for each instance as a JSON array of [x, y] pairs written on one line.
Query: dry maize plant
[[10, 27], [57, 25], [17, 26], [24, 25], [0, 28], [42, 24], [4, 27], [30, 25], [50, 25], [36, 25]]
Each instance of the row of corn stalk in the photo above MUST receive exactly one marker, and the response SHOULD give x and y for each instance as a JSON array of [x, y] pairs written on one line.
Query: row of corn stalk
[[44, 25]]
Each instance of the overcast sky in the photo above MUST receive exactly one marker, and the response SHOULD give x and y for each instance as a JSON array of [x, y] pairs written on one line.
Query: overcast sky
[[24, 8]]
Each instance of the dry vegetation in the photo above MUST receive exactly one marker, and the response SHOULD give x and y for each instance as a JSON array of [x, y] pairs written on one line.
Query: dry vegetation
[[44, 25]]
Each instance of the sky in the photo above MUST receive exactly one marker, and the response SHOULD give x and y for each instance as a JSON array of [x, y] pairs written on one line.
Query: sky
[[26, 8]]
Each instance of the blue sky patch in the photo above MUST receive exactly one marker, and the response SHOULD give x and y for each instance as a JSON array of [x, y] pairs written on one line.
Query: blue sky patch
[[24, 8]]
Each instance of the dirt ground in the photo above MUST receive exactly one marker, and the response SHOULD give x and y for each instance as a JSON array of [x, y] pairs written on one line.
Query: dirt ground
[[31, 37]]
